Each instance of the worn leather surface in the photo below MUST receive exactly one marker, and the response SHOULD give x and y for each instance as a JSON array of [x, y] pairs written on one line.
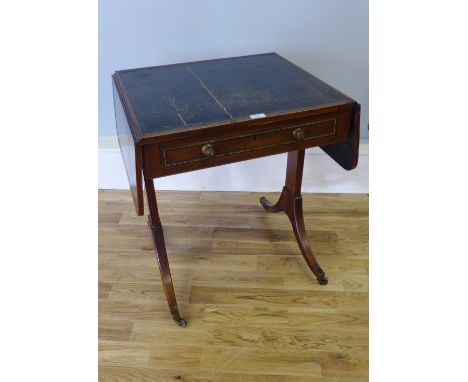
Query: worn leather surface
[[216, 91]]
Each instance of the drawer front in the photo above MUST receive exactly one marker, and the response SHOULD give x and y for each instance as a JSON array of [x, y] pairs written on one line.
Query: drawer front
[[258, 140], [229, 144]]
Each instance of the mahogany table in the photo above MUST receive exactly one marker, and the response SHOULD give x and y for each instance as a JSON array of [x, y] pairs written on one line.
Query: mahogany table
[[176, 118]]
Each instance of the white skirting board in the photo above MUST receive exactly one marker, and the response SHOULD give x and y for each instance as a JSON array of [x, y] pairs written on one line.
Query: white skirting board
[[321, 173]]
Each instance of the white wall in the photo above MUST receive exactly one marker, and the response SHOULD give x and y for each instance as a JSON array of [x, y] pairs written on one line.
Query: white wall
[[329, 38]]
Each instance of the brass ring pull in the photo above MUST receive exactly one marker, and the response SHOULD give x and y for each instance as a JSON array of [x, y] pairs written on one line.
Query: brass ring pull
[[208, 150], [298, 133]]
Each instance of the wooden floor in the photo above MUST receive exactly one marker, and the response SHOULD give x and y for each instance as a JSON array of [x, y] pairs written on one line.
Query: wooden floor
[[254, 309]]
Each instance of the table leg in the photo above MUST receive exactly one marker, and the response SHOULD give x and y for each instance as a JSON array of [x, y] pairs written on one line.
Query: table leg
[[290, 202], [154, 224]]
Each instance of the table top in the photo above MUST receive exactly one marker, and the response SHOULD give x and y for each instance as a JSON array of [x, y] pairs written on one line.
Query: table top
[[186, 95]]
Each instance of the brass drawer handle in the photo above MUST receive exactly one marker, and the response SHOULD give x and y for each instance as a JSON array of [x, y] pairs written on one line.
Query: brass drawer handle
[[208, 151], [299, 133]]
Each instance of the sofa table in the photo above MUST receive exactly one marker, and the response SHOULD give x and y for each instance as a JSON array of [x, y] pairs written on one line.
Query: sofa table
[[176, 118]]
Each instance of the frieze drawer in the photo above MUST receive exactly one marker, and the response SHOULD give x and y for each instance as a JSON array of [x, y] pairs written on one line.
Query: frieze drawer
[[258, 140]]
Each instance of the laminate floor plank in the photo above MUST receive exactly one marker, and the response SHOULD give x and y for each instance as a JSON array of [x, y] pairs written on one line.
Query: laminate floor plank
[[123, 353], [245, 315], [115, 329], [263, 297], [196, 220]]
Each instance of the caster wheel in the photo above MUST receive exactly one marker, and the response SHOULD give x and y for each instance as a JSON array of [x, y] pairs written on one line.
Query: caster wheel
[[182, 323], [322, 280], [264, 202]]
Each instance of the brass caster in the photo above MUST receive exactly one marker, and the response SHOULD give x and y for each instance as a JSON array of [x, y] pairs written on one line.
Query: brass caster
[[182, 323], [322, 279], [265, 202]]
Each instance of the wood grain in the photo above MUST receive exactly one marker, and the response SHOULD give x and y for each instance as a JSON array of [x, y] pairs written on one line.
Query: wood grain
[[263, 297], [245, 315], [254, 310]]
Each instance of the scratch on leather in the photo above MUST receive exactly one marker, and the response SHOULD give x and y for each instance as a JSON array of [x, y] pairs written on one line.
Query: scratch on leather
[[209, 91], [177, 111]]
